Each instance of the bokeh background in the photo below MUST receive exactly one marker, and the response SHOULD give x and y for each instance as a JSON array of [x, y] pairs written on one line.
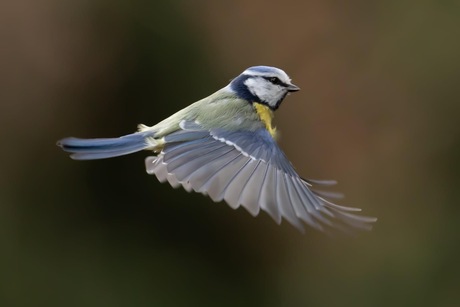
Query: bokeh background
[[379, 111]]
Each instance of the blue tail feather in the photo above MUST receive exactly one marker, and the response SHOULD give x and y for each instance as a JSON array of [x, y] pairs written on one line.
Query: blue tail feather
[[92, 149]]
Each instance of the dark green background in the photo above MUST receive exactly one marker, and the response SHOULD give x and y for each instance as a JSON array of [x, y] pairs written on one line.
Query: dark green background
[[379, 111]]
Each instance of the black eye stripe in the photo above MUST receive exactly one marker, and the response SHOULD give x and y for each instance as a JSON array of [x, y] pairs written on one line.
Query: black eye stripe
[[275, 81]]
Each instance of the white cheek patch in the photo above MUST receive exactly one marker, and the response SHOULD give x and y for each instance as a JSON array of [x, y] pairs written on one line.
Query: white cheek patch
[[266, 91], [256, 86]]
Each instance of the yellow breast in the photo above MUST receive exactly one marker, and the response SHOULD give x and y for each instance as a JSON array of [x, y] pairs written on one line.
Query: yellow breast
[[266, 116]]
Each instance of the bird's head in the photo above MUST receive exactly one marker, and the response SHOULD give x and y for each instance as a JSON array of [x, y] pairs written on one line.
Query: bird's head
[[263, 84]]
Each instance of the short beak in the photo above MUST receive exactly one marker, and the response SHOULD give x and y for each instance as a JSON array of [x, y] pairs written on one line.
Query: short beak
[[293, 88]]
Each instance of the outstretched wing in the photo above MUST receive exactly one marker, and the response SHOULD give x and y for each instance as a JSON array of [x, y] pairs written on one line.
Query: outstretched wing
[[247, 168]]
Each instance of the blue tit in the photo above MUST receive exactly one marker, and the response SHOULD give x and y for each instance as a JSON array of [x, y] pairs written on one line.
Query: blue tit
[[224, 146]]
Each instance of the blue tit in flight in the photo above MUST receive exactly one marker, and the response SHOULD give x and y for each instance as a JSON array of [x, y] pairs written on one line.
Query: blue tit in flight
[[224, 146]]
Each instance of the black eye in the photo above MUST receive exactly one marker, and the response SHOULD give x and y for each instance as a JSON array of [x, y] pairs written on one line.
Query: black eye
[[275, 80]]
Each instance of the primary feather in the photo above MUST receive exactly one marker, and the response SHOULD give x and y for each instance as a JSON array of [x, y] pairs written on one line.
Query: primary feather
[[246, 169]]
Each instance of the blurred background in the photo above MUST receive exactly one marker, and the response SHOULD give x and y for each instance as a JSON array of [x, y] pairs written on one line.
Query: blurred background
[[378, 111]]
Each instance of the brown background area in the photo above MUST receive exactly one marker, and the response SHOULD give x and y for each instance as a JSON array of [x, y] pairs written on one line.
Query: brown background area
[[379, 111]]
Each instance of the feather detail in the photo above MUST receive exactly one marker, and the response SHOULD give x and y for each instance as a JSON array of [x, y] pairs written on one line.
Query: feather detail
[[248, 169]]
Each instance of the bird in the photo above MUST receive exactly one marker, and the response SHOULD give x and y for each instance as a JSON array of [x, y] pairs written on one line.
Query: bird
[[225, 146]]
